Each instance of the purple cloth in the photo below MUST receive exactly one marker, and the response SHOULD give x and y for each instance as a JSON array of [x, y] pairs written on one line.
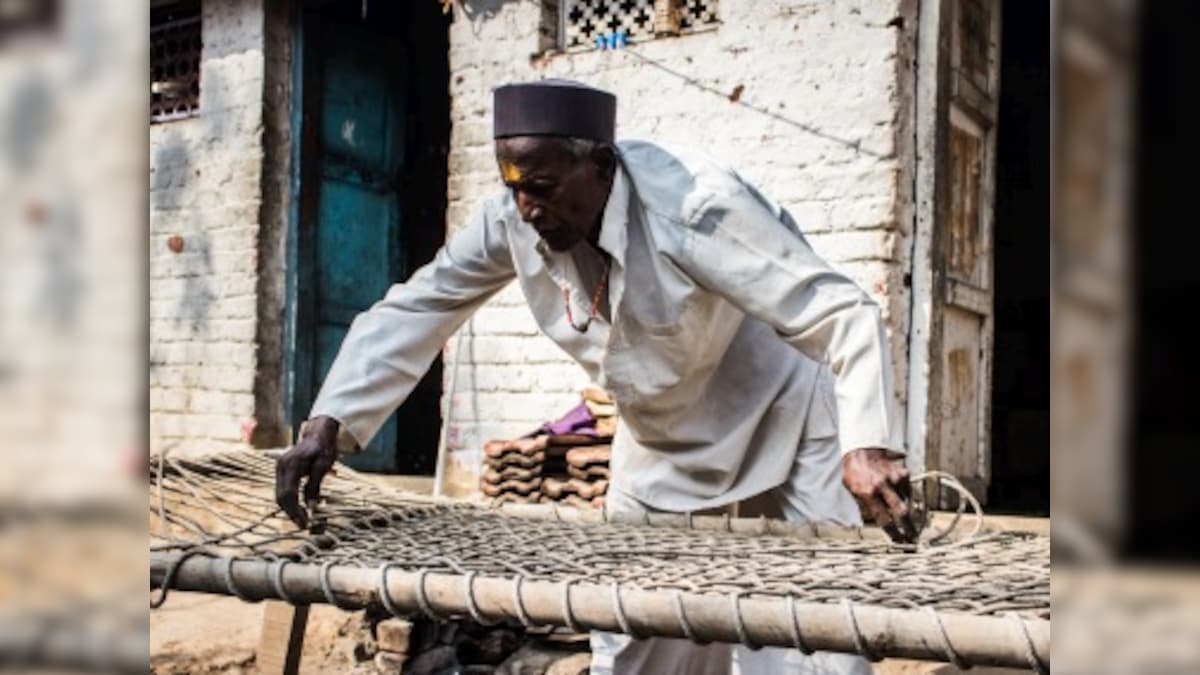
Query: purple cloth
[[578, 420]]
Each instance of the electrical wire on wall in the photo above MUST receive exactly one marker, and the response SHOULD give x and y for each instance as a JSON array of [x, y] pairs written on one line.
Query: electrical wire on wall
[[620, 42]]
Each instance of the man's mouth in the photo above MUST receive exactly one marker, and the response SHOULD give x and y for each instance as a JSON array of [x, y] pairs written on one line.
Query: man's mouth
[[553, 235]]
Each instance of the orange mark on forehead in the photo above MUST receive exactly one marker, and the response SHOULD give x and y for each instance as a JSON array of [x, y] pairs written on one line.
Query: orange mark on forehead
[[509, 172]]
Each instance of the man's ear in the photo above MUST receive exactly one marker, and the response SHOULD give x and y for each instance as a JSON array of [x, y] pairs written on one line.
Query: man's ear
[[605, 157]]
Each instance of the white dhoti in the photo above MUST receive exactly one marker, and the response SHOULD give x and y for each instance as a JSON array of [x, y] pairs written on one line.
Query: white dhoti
[[813, 492]]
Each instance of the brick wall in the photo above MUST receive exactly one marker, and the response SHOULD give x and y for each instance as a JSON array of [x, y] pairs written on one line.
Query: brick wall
[[821, 124], [206, 187]]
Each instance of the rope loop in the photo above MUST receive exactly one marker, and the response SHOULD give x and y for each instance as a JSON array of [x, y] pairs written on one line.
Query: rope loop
[[423, 599], [327, 589], [472, 606], [797, 637], [519, 602], [952, 654], [385, 596], [860, 642], [677, 599], [619, 611], [277, 580], [964, 498], [169, 579], [227, 573], [568, 613], [739, 623], [1031, 655]]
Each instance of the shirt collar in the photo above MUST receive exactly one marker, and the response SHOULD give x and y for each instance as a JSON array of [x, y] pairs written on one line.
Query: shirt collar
[[615, 221]]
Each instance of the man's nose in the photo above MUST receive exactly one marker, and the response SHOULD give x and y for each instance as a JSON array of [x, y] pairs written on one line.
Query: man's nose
[[531, 211]]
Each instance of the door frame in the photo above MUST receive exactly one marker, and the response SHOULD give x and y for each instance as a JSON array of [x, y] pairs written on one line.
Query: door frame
[[301, 259], [932, 287], [931, 100]]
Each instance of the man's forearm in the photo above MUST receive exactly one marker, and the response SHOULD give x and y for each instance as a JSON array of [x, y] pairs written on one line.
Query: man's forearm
[[390, 347]]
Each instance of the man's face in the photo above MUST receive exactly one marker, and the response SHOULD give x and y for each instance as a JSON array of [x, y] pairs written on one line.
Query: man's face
[[561, 196]]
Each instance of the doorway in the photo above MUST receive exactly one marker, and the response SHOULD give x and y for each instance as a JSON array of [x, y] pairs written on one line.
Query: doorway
[[978, 403], [1021, 380], [372, 102]]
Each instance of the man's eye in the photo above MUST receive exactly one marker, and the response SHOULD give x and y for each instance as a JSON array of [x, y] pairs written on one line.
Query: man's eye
[[539, 189]]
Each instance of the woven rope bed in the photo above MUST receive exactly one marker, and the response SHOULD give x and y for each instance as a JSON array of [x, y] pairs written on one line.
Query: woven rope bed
[[970, 598]]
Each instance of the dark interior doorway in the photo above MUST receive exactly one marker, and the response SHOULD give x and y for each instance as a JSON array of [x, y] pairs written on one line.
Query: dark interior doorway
[[374, 122], [1163, 460], [1021, 381]]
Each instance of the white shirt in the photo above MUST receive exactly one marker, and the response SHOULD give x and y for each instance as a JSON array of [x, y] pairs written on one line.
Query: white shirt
[[723, 319]]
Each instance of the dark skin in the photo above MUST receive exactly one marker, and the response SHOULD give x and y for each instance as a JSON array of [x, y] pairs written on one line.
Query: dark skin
[[563, 197]]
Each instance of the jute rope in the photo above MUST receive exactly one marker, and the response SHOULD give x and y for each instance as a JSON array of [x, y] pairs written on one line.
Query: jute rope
[[782, 584]]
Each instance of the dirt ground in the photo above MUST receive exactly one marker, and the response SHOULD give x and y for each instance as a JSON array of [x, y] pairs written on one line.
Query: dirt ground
[[198, 633]]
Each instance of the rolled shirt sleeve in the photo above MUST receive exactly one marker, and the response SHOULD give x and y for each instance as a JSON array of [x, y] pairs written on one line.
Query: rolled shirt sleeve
[[753, 255], [389, 347]]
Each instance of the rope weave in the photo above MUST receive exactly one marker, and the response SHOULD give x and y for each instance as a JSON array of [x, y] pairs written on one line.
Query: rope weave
[[223, 506]]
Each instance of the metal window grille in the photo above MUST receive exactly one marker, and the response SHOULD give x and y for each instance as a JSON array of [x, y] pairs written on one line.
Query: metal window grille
[[697, 14], [588, 24], [175, 68]]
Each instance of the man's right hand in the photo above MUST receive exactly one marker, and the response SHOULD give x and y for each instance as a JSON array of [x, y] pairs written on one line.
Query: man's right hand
[[883, 488], [312, 456]]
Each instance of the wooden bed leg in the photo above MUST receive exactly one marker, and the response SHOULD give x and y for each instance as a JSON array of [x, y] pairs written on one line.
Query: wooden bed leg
[[282, 638]]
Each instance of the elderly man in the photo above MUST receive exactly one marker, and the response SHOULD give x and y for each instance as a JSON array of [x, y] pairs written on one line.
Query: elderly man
[[741, 362]]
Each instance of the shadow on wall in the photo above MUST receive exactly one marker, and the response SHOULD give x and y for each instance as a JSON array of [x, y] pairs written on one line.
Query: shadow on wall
[[198, 296], [172, 172], [53, 216], [478, 11]]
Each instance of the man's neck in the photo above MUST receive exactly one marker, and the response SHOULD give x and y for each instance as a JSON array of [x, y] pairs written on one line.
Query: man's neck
[[593, 237]]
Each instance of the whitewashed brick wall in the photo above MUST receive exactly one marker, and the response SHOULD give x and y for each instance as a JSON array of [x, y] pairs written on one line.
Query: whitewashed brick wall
[[205, 186], [829, 141]]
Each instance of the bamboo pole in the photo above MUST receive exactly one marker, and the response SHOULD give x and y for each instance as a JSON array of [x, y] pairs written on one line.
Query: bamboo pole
[[757, 526], [874, 631]]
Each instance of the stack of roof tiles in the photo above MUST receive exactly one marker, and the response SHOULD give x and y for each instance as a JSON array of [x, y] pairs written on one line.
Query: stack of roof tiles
[[565, 462]]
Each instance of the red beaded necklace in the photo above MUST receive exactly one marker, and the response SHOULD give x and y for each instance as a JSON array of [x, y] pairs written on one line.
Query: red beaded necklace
[[595, 300]]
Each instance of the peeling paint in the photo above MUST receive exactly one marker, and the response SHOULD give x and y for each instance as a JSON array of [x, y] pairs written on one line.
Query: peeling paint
[[962, 241]]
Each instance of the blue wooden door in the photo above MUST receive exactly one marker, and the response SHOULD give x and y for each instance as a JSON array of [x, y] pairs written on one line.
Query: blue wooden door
[[358, 137]]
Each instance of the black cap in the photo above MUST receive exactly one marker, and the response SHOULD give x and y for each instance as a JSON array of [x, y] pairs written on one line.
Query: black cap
[[554, 108]]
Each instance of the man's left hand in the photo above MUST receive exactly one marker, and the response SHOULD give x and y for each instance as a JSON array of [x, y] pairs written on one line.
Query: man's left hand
[[883, 488]]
